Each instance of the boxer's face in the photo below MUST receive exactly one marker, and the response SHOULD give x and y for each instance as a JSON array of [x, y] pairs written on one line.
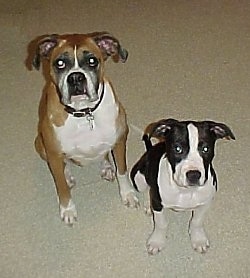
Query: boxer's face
[[76, 68], [76, 64]]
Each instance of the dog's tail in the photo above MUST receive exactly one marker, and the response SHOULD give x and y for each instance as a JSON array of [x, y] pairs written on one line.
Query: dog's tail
[[145, 136], [147, 141]]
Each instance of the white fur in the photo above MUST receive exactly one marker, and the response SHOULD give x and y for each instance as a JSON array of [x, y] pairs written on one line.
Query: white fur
[[182, 198], [140, 182], [126, 191], [83, 144], [193, 161], [197, 199], [68, 214], [63, 86]]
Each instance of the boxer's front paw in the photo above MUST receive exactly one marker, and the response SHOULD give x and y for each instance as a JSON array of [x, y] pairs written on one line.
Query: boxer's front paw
[[199, 240], [156, 243], [107, 171], [68, 214], [129, 199], [127, 193]]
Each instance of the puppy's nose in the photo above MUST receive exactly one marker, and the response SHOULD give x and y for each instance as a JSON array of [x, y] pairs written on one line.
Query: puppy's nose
[[193, 177], [75, 78]]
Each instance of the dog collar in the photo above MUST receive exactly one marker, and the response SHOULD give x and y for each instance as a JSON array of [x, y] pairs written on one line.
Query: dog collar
[[85, 112]]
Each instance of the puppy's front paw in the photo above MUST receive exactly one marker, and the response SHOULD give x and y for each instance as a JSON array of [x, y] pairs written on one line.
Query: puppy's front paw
[[156, 243], [68, 214], [199, 240]]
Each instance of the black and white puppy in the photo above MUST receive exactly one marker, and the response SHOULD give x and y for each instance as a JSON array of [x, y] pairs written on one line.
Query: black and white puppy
[[179, 174]]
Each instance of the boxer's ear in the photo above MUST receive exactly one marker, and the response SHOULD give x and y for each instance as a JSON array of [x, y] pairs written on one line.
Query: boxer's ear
[[158, 130], [221, 130], [110, 46], [43, 49]]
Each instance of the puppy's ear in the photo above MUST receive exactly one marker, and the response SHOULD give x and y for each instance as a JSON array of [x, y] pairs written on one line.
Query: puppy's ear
[[110, 46], [42, 47], [221, 130], [158, 130]]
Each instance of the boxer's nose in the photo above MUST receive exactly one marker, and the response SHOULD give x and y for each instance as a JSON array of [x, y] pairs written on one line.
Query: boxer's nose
[[76, 78]]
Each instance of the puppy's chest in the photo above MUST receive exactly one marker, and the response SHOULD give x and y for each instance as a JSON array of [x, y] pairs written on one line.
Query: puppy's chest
[[83, 143]]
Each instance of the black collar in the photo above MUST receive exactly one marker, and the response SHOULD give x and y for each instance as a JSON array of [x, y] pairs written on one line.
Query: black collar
[[85, 111]]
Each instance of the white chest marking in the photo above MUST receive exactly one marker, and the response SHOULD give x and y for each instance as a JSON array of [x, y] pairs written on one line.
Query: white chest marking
[[181, 198], [83, 144]]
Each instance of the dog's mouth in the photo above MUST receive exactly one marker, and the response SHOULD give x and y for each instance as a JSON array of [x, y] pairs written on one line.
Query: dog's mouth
[[80, 89], [82, 95]]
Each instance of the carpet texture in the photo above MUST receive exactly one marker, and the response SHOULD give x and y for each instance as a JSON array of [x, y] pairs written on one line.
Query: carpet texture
[[187, 60]]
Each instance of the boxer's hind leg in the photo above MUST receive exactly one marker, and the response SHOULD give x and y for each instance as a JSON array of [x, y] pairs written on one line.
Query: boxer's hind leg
[[107, 166], [126, 190], [39, 146]]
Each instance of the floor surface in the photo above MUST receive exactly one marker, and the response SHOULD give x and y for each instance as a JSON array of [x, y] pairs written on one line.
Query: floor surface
[[187, 60]]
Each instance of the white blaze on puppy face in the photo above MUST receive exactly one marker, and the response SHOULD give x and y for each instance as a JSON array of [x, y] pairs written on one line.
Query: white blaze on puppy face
[[193, 161]]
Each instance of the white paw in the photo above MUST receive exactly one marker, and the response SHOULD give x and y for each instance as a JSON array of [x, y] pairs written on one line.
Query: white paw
[[69, 178], [107, 171], [156, 243], [127, 192], [68, 214], [199, 240], [130, 200]]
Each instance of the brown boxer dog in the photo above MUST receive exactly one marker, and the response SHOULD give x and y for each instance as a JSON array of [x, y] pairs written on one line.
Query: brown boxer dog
[[80, 117]]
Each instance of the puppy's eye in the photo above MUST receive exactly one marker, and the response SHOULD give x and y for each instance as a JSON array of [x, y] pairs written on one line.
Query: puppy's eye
[[93, 62], [178, 149], [205, 149], [60, 64]]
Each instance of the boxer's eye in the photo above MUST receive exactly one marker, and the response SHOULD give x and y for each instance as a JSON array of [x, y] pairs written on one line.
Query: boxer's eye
[[178, 149], [93, 62], [60, 64]]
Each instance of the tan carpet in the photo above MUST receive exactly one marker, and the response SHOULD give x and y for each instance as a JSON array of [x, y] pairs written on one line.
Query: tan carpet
[[187, 60]]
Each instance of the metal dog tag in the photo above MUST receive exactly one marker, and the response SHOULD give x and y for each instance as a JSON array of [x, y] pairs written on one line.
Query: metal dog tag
[[90, 119]]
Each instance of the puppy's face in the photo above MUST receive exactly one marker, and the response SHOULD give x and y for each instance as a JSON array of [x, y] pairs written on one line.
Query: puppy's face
[[76, 64], [190, 151], [190, 148]]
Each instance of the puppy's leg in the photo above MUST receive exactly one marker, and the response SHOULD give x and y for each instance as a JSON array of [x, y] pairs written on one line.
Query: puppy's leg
[[141, 185], [157, 240], [67, 207], [197, 234], [107, 169], [126, 190]]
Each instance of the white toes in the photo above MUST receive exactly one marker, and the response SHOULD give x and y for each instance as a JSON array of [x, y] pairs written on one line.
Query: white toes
[[127, 193], [155, 244], [69, 178], [107, 171], [71, 181], [68, 214], [199, 240], [108, 174], [130, 200]]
